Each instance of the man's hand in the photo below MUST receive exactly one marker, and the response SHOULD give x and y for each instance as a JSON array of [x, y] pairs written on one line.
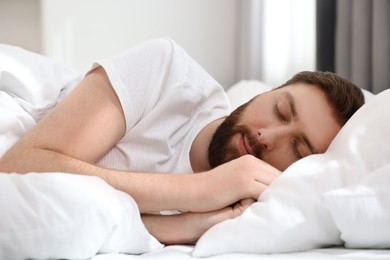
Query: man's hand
[[187, 228], [242, 178]]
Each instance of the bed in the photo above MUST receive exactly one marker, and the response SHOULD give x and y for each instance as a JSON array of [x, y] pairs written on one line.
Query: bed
[[329, 206]]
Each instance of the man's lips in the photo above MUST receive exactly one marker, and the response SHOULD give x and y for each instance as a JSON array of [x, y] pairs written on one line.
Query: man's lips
[[243, 145]]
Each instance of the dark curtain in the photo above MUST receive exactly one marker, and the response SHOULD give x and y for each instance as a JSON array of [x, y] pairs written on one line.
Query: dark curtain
[[360, 48], [325, 36]]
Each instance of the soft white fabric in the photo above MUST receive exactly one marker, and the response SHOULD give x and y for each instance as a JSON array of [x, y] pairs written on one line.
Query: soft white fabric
[[36, 82], [30, 85], [57, 216], [362, 211], [244, 90], [291, 215], [183, 252], [167, 99]]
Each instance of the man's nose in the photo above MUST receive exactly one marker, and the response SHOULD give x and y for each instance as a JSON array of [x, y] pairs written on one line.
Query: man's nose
[[270, 137]]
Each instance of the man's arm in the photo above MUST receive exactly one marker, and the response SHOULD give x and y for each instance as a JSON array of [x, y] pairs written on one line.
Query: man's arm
[[90, 121], [187, 228]]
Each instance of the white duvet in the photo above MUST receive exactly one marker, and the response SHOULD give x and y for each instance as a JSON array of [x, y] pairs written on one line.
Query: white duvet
[[58, 215], [55, 215], [339, 198]]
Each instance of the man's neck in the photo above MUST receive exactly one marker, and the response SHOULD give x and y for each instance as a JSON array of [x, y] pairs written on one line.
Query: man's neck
[[199, 149]]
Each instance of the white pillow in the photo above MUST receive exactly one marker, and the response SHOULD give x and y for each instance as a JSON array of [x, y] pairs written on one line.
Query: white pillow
[[244, 90], [291, 214], [66, 216], [362, 211]]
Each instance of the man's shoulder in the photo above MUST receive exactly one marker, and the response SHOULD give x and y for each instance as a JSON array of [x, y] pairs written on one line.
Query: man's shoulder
[[166, 45]]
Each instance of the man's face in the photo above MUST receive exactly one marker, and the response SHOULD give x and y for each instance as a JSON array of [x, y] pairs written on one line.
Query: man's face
[[278, 127]]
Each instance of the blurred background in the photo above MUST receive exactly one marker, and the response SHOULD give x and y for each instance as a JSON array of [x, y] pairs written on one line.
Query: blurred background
[[268, 40]]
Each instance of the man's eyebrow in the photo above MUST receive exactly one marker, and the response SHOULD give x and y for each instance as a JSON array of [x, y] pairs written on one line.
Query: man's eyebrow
[[291, 102]]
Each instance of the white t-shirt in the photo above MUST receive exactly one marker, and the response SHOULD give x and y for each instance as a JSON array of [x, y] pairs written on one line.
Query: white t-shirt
[[167, 99]]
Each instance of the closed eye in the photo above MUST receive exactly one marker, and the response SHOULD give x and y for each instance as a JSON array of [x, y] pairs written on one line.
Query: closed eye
[[278, 114], [294, 148]]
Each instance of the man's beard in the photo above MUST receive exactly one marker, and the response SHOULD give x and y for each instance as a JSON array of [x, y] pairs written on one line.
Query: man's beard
[[220, 148]]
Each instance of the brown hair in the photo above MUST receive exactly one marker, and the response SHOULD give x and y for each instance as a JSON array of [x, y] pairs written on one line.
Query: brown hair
[[344, 97]]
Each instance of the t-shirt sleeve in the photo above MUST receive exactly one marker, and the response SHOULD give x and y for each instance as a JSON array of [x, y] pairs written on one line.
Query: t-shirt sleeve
[[167, 98], [138, 76]]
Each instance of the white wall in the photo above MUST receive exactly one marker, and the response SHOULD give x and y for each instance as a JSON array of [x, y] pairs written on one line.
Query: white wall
[[78, 32], [81, 31], [20, 23]]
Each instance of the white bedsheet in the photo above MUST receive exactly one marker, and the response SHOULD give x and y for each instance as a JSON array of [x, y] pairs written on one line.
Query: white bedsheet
[[178, 252]]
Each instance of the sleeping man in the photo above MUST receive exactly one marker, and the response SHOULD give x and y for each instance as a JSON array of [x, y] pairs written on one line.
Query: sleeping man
[[151, 111]]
